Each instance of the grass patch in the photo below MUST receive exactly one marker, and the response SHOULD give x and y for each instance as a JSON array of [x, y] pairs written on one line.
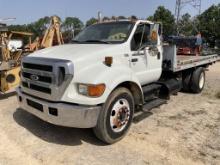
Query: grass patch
[[218, 95]]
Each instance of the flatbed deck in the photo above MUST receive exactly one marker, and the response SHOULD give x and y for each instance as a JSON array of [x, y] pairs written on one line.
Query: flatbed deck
[[177, 63], [186, 62]]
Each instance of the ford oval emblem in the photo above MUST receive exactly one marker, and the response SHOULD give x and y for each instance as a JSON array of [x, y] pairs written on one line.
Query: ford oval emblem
[[34, 77]]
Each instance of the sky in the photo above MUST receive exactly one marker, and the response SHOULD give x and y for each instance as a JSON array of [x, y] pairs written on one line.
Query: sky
[[27, 11]]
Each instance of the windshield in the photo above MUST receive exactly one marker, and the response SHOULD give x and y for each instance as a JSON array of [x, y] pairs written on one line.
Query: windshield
[[114, 32]]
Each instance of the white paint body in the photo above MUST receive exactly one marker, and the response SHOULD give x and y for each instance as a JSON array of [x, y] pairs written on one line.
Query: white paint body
[[89, 67]]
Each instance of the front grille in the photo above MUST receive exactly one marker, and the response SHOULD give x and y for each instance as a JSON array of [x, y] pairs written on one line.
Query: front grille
[[40, 78], [46, 78], [24, 84], [37, 88], [35, 105], [40, 88], [46, 68]]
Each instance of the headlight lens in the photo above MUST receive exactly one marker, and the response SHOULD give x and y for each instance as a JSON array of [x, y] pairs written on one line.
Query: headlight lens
[[91, 90], [83, 89]]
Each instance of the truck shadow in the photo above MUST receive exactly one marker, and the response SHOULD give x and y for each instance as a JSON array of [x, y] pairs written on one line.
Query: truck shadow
[[62, 135], [141, 116], [55, 134]]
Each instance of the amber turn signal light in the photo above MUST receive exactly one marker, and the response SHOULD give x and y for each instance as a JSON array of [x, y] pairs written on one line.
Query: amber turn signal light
[[96, 90], [92, 90]]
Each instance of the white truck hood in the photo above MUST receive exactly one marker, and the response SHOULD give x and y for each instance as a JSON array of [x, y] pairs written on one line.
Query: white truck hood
[[74, 52]]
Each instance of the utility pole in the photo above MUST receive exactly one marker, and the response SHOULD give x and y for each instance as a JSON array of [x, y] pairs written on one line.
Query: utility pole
[[180, 4], [99, 16]]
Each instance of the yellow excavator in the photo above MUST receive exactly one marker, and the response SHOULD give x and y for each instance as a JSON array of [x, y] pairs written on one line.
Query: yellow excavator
[[53, 36], [12, 50]]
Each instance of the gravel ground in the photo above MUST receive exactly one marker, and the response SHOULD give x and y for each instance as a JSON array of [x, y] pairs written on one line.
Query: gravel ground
[[184, 131]]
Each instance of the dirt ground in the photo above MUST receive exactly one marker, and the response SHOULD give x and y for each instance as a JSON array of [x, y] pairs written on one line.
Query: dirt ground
[[184, 131]]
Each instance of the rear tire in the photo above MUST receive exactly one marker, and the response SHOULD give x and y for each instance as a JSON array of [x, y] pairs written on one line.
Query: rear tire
[[198, 80], [115, 117], [186, 81]]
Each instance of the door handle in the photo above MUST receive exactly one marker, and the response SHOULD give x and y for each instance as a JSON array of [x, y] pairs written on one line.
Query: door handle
[[158, 56], [134, 60]]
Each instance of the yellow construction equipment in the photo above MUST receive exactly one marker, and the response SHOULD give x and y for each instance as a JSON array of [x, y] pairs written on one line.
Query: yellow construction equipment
[[53, 36], [12, 49]]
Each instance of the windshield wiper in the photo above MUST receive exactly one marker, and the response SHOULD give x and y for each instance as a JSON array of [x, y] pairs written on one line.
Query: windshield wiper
[[100, 41]]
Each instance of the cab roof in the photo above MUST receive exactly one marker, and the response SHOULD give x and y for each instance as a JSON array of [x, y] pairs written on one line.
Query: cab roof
[[129, 20]]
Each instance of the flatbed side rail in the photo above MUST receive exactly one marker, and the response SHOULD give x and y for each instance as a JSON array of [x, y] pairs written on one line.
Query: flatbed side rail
[[188, 62]]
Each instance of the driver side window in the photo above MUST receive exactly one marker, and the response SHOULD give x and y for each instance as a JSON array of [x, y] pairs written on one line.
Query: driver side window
[[141, 37]]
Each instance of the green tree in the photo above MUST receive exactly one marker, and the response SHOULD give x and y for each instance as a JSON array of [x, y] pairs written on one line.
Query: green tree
[[91, 21], [106, 18], [186, 24], [114, 18], [72, 23], [22, 28], [72, 26], [210, 23], [165, 16], [150, 18], [40, 25], [134, 17], [121, 17]]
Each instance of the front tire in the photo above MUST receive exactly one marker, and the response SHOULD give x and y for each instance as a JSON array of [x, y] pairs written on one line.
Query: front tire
[[115, 117]]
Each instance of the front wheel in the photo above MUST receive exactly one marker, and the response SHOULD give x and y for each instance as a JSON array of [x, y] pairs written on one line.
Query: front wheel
[[115, 117]]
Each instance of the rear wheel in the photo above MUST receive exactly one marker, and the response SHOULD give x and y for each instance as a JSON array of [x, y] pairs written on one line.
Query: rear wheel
[[116, 116], [198, 80], [186, 81]]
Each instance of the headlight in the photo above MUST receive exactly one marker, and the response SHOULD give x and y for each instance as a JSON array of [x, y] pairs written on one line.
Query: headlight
[[91, 90]]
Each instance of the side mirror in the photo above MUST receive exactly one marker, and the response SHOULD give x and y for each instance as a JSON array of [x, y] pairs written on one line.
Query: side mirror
[[154, 51], [142, 50]]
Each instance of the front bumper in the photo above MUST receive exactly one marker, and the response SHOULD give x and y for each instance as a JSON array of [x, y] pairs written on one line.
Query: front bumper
[[62, 114]]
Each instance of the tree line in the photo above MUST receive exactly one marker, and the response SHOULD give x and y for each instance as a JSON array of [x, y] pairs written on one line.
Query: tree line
[[207, 23]]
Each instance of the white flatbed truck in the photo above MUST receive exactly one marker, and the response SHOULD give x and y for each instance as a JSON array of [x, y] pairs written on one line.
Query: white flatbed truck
[[111, 71]]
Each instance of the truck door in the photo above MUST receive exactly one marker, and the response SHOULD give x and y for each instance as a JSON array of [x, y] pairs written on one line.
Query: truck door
[[146, 53]]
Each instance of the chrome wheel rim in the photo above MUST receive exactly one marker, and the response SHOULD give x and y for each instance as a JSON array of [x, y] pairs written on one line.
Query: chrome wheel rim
[[120, 115], [201, 81]]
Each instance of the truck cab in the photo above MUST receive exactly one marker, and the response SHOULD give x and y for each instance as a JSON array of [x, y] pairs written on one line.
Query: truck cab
[[109, 71]]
